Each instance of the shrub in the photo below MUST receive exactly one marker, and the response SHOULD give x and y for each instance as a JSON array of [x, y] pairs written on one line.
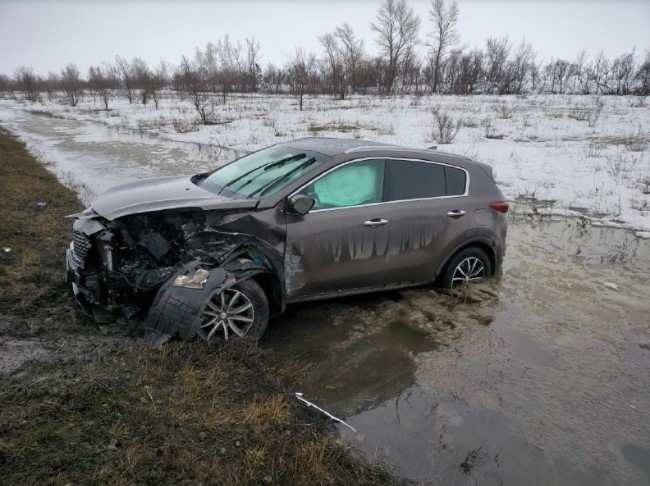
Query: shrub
[[445, 127]]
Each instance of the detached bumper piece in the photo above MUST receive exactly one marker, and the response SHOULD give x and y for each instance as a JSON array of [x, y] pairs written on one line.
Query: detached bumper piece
[[176, 310]]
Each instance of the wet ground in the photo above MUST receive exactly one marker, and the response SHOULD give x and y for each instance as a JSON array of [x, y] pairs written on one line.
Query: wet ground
[[93, 157], [541, 377]]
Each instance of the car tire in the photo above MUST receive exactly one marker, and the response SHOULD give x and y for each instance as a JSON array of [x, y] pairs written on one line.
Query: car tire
[[235, 324], [465, 266]]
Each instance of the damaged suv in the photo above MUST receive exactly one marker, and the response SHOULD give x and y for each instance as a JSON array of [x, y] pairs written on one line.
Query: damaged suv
[[215, 254]]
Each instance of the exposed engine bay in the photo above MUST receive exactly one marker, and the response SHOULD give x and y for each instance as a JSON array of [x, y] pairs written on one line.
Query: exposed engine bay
[[126, 265]]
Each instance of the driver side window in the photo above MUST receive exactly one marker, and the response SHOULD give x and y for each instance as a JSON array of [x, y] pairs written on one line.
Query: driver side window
[[350, 185]]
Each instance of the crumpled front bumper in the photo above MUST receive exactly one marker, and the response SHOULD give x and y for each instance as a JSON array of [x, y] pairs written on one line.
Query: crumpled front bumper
[[77, 282]]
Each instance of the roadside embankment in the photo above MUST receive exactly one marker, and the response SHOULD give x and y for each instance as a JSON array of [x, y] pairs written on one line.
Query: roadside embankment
[[85, 404]]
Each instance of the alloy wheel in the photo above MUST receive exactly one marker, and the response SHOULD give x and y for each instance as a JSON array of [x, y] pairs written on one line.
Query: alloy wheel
[[227, 313], [469, 269]]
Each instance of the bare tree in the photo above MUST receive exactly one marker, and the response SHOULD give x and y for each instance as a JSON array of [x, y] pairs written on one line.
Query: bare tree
[[496, 57], [156, 81], [334, 63], [27, 82], [597, 73], [229, 57], [643, 76], [397, 29], [622, 70], [272, 78], [411, 73], [141, 75], [444, 35], [123, 67], [352, 52], [195, 83], [518, 69], [71, 83], [101, 81], [556, 73], [207, 63], [314, 80], [52, 85], [5, 83], [581, 74], [299, 75], [253, 63], [226, 66]]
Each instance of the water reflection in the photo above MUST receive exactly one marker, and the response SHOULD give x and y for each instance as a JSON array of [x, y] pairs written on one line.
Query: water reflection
[[538, 378]]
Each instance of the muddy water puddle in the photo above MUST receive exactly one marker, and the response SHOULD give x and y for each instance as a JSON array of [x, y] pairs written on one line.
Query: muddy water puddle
[[540, 377]]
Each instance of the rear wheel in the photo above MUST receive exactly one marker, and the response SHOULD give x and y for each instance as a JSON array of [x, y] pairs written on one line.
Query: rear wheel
[[238, 311], [469, 265]]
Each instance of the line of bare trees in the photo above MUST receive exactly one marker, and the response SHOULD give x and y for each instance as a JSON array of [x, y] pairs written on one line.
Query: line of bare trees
[[344, 66]]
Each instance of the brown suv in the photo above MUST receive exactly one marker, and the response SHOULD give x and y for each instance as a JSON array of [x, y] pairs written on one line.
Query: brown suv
[[213, 255]]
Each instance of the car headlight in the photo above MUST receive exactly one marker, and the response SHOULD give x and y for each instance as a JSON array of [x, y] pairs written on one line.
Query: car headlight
[[195, 280]]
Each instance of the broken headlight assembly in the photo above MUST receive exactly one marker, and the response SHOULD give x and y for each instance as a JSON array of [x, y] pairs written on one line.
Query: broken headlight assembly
[[194, 280]]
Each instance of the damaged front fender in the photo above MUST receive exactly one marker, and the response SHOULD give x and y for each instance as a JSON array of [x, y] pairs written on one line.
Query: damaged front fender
[[176, 309], [130, 265]]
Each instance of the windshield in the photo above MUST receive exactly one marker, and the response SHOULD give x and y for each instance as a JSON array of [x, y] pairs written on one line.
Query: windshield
[[262, 173]]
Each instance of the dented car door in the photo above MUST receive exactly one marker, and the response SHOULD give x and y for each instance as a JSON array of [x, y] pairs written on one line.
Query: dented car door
[[340, 245]]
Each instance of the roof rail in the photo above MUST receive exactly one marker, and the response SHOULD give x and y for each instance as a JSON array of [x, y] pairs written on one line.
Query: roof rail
[[362, 148]]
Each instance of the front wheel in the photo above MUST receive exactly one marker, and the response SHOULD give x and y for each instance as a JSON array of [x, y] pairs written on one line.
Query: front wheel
[[238, 311], [469, 265]]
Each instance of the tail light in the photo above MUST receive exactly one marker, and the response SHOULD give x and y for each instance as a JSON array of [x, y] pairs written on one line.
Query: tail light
[[500, 206]]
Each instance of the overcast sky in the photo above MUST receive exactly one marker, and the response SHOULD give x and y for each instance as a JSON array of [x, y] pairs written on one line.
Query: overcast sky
[[48, 35]]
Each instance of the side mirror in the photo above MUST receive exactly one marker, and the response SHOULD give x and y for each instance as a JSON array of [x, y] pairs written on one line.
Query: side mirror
[[301, 204]]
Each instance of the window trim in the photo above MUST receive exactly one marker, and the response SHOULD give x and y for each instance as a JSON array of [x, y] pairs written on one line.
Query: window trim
[[465, 194]]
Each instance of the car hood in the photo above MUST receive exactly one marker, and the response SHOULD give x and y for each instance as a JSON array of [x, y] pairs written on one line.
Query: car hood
[[161, 194]]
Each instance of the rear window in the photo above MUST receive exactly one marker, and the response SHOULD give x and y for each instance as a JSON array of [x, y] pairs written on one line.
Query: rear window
[[456, 180], [414, 180], [409, 179]]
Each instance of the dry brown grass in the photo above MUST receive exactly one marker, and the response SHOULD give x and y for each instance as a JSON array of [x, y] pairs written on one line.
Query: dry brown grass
[[191, 414], [31, 273], [268, 411], [311, 457], [127, 414]]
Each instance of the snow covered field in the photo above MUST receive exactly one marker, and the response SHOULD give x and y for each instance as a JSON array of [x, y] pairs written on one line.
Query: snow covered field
[[570, 154]]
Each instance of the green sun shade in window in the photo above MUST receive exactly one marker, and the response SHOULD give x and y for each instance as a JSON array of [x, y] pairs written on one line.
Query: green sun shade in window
[[351, 185]]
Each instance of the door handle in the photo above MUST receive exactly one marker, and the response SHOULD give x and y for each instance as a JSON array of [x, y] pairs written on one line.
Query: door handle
[[371, 223], [456, 213]]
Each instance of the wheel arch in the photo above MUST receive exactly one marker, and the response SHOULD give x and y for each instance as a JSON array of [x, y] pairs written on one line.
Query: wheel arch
[[484, 243], [272, 287], [267, 271]]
